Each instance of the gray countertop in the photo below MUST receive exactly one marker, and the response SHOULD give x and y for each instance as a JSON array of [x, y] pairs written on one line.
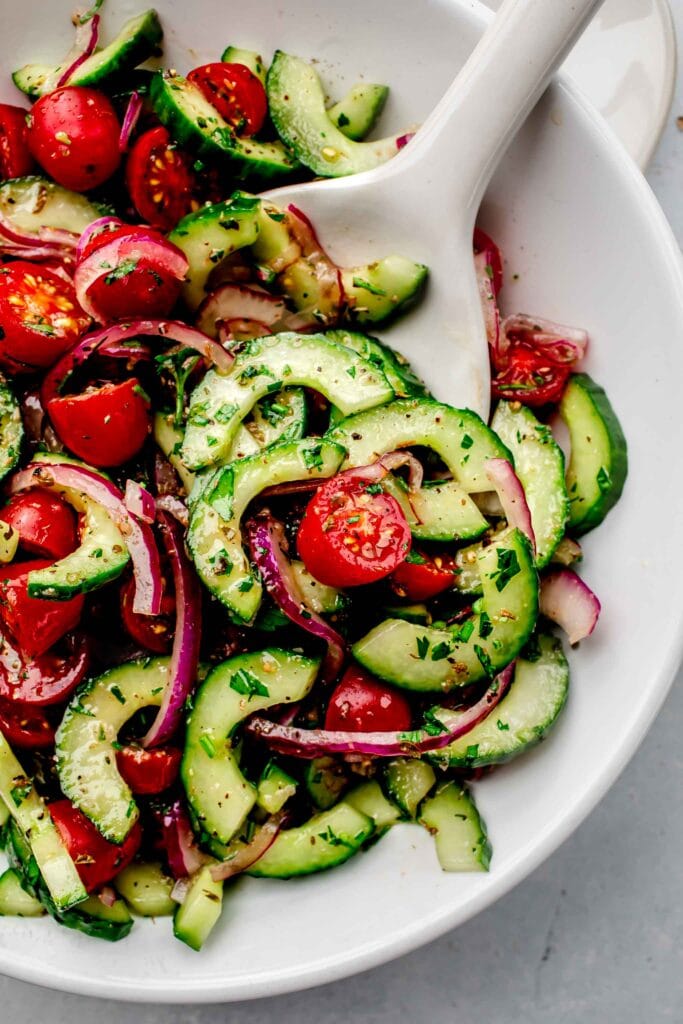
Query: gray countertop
[[594, 936]]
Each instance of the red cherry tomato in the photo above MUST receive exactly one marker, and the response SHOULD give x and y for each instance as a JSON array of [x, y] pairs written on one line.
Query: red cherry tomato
[[350, 535], [149, 772], [15, 156], [137, 287], [47, 679], [34, 623], [46, 525], [421, 577], [73, 133], [161, 180], [40, 318], [530, 377], [25, 727], [97, 861], [155, 632], [235, 92], [484, 243], [360, 703], [104, 426]]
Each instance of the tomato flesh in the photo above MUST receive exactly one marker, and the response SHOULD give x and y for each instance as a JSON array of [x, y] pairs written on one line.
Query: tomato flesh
[[25, 727], [149, 772], [421, 577], [15, 156], [48, 679], [360, 703], [73, 133], [97, 860], [34, 623], [104, 426], [154, 632], [161, 180], [530, 377], [40, 317], [352, 533], [235, 92], [45, 523]]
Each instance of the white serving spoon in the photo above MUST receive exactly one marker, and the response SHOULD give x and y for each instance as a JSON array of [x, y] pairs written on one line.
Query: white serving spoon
[[422, 204]]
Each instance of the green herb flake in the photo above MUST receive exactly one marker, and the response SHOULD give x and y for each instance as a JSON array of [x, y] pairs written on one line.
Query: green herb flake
[[484, 661], [415, 558], [485, 625], [312, 456], [244, 586], [115, 691], [503, 726], [248, 685], [466, 442], [124, 269], [20, 790], [472, 751], [440, 651], [367, 286], [207, 745], [343, 120], [508, 568], [422, 647]]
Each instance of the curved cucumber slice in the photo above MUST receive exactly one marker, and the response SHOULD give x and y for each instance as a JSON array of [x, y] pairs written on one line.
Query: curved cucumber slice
[[275, 787], [170, 440], [14, 900], [408, 780], [265, 365], [215, 537], [250, 58], [296, 101], [468, 579], [458, 829], [439, 511], [86, 758], [525, 715], [146, 888], [599, 462], [326, 840], [317, 596], [218, 793], [11, 429], [377, 292], [138, 40], [539, 464], [33, 202], [356, 114], [199, 912], [427, 659], [459, 436], [369, 799], [393, 365]]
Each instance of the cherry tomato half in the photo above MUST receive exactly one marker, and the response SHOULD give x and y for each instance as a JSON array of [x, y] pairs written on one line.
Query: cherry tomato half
[[104, 426], [73, 133], [40, 318], [25, 727], [361, 703], [421, 576], [235, 92], [15, 156], [530, 377], [34, 623], [161, 180], [45, 523], [149, 772], [47, 679], [97, 861], [494, 260], [352, 534], [155, 632]]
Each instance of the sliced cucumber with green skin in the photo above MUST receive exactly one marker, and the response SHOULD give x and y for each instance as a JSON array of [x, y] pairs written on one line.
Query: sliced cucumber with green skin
[[146, 888], [317, 596], [369, 799], [525, 715], [199, 912], [209, 235], [311, 290], [84, 744], [598, 463], [393, 365], [427, 659], [195, 123], [170, 440], [418, 613], [326, 840], [378, 292], [275, 248], [250, 58], [274, 789], [468, 578], [14, 900], [326, 779], [218, 793], [408, 781], [539, 464], [459, 831], [265, 365], [138, 40], [32, 818], [356, 114], [440, 511], [34, 202], [215, 534], [296, 101], [11, 429]]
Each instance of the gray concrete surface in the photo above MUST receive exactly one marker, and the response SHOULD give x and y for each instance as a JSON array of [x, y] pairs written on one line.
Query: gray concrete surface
[[594, 936]]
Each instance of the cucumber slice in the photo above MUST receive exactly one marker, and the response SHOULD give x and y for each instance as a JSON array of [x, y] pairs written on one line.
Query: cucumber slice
[[274, 789], [468, 579], [324, 841], [217, 791], [215, 534], [458, 829], [378, 292], [265, 365], [598, 463], [525, 715], [393, 365], [250, 58], [196, 124], [539, 464], [369, 799], [137, 41], [356, 114], [427, 659], [146, 888], [199, 912], [275, 248], [459, 436], [170, 440], [14, 900], [408, 781], [86, 757], [326, 779], [211, 234], [417, 613], [33, 820], [296, 101], [11, 429], [317, 596], [33, 202], [311, 293], [439, 511]]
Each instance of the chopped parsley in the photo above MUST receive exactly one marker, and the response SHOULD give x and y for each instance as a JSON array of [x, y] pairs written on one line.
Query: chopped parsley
[[484, 661], [368, 286], [207, 745], [415, 558], [20, 790], [466, 442], [246, 683], [508, 568], [124, 269], [115, 691], [422, 646], [440, 651]]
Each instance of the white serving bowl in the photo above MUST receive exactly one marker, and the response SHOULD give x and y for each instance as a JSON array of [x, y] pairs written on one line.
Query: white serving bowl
[[580, 227]]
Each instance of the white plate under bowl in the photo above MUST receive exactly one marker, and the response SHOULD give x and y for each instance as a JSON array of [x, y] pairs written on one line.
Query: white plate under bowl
[[590, 245]]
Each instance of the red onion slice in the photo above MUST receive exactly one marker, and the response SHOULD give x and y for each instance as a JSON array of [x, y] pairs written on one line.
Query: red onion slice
[[130, 120], [512, 497], [393, 460], [567, 552], [246, 856], [403, 140], [138, 536], [182, 672], [49, 238], [497, 338], [327, 273], [240, 302], [310, 743], [178, 841], [140, 502], [107, 896], [175, 507], [87, 35], [95, 228], [561, 343], [266, 540], [568, 601]]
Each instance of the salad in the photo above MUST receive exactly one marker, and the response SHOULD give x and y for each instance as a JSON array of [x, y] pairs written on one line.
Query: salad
[[263, 596]]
